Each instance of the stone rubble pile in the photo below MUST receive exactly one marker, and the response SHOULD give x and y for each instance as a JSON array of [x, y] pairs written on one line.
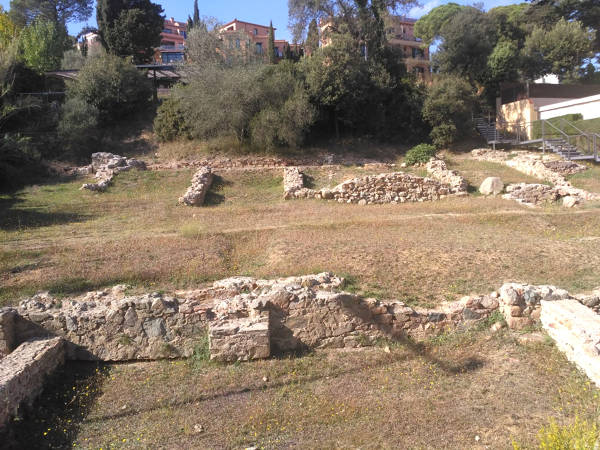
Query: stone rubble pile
[[544, 167], [531, 194], [106, 166], [201, 183]]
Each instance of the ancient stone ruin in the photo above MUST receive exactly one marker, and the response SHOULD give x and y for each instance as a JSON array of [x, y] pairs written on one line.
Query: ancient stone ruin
[[244, 318], [395, 187], [201, 183], [106, 166], [544, 167]]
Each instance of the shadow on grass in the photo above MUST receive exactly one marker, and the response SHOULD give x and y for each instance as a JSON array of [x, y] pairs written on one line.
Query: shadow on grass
[[54, 419], [414, 350], [14, 218], [214, 197]]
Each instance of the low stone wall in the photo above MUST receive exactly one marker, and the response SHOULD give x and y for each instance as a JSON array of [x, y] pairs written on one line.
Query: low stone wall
[[544, 167], [23, 372], [201, 183], [396, 187], [106, 166], [249, 318], [576, 332]]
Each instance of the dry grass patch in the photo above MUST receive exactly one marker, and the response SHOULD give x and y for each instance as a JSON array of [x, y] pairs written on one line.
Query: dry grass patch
[[422, 252], [463, 391], [588, 180]]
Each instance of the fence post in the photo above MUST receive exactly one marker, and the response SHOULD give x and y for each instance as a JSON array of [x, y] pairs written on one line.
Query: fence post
[[543, 136]]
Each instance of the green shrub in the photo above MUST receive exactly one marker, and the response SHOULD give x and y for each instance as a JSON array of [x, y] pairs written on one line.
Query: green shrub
[[448, 108], [20, 163], [421, 153], [580, 435], [78, 127], [116, 88], [169, 122]]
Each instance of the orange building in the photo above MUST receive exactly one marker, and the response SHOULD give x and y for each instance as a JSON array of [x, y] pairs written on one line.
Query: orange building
[[255, 36], [400, 34], [172, 45]]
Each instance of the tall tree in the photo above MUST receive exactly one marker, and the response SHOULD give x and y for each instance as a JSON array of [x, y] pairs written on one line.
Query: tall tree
[[585, 11], [468, 40], [430, 25], [560, 50], [190, 23], [130, 27], [341, 14], [42, 45], [312, 38], [271, 45], [196, 14], [24, 12], [8, 30]]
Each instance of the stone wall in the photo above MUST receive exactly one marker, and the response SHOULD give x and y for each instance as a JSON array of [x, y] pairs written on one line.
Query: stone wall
[[249, 318], [106, 166], [395, 187], [201, 183], [23, 372]]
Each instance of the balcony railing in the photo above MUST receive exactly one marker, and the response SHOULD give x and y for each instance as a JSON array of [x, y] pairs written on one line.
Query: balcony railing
[[407, 37], [172, 47]]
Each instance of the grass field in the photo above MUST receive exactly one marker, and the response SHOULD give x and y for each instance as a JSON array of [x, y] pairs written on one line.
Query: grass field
[[55, 237]]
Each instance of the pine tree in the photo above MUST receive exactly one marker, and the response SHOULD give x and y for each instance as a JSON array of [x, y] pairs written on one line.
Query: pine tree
[[271, 45], [312, 38], [190, 23], [130, 27], [196, 14]]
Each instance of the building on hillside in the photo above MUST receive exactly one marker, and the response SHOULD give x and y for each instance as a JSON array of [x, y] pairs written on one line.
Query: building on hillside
[[400, 34], [90, 39], [172, 45], [254, 37], [521, 104]]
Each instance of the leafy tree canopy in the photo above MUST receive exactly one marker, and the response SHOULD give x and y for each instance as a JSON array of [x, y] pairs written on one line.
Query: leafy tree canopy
[[130, 27], [8, 30], [430, 25], [42, 45], [24, 12], [560, 50]]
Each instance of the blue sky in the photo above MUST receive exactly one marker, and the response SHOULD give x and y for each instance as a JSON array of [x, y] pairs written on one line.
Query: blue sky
[[260, 12]]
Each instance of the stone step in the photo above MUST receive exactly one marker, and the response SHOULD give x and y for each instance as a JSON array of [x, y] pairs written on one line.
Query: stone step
[[241, 339], [23, 372], [576, 330]]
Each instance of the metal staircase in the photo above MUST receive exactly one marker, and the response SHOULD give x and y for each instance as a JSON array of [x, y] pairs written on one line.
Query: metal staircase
[[558, 136]]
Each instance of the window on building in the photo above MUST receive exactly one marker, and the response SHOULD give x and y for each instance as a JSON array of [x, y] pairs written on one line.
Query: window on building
[[237, 43], [168, 31], [277, 53], [256, 32], [184, 34], [259, 48], [168, 58]]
